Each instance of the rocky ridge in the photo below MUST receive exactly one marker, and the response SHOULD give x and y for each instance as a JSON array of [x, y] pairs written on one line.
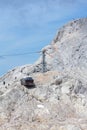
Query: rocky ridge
[[59, 100]]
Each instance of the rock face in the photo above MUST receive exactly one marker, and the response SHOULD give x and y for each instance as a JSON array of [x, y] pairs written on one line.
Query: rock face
[[68, 49], [59, 100]]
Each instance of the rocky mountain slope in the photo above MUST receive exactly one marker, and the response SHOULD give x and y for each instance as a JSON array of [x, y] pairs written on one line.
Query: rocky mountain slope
[[59, 99]]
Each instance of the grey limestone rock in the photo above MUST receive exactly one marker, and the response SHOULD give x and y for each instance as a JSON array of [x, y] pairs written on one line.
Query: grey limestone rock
[[59, 100]]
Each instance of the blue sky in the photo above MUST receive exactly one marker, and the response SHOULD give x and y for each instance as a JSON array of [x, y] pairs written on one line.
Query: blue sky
[[29, 25]]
